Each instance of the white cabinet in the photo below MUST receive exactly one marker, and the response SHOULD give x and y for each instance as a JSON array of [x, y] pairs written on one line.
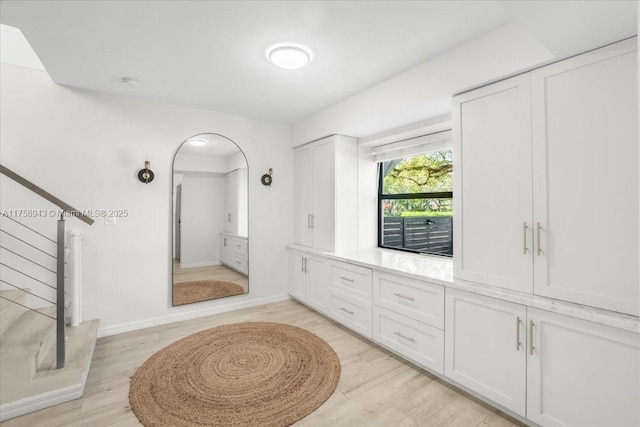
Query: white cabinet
[[352, 312], [325, 195], [234, 253], [492, 186], [485, 347], [417, 299], [236, 202], [309, 280], [414, 340], [351, 279], [581, 373], [547, 181], [585, 187]]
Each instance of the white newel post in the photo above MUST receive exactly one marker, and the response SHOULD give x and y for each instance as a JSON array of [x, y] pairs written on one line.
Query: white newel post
[[74, 279]]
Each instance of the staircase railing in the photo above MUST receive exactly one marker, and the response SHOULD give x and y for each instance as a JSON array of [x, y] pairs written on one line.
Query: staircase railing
[[65, 211]]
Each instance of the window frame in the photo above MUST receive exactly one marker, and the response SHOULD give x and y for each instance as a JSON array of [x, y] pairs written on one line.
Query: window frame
[[381, 196]]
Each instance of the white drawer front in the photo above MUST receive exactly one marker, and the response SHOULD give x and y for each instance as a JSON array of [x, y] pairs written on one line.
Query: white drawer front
[[351, 279], [351, 312], [417, 299], [414, 340], [239, 246]]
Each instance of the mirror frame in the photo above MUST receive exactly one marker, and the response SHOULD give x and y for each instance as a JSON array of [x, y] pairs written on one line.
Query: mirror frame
[[172, 218]]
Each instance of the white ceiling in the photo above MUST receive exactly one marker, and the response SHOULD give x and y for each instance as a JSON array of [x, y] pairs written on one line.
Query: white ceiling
[[211, 54], [217, 146]]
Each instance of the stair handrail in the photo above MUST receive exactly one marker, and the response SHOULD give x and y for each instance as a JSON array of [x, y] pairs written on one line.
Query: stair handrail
[[70, 210]]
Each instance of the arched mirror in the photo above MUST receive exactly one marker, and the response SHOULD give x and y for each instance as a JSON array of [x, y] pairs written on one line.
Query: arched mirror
[[210, 220]]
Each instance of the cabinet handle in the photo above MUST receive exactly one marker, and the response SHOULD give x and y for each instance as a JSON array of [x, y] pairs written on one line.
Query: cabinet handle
[[524, 238], [346, 311], [404, 337], [228, 217], [309, 221], [346, 279], [405, 297], [304, 264], [225, 242], [313, 221], [531, 347], [538, 228], [518, 323]]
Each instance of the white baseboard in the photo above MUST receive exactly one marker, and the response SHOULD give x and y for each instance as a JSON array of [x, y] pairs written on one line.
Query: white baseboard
[[187, 315], [200, 264], [41, 401]]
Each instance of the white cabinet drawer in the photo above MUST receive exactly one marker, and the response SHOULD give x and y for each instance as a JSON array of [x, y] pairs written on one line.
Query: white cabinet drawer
[[351, 312], [239, 246], [414, 340], [240, 263], [417, 299], [351, 279]]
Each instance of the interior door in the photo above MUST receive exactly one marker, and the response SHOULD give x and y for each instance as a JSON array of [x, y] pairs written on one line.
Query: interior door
[[177, 220]]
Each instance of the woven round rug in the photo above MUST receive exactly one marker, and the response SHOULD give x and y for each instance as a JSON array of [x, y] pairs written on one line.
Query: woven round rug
[[203, 290], [242, 374]]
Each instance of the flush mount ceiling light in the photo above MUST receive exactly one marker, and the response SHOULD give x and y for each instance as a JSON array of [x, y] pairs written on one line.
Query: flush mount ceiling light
[[198, 142], [289, 57]]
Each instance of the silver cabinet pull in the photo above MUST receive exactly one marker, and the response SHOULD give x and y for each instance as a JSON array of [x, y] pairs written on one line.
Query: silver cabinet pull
[[538, 228], [524, 238], [531, 347], [404, 337], [518, 323], [304, 265], [308, 220], [405, 297], [346, 311], [313, 221], [346, 279], [228, 217]]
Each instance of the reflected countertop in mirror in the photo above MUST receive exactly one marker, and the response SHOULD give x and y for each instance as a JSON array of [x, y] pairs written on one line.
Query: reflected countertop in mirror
[[210, 251]]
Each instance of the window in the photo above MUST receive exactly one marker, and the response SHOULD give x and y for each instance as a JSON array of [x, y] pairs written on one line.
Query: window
[[415, 194]]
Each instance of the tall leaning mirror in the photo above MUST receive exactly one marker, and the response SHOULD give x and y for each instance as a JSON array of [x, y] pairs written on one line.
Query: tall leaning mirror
[[210, 220]]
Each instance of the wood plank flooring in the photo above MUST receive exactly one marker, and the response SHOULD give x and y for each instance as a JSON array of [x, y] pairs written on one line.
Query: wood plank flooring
[[214, 272], [376, 388]]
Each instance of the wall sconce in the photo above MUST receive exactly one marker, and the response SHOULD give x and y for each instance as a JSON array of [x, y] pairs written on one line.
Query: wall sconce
[[146, 175], [266, 179]]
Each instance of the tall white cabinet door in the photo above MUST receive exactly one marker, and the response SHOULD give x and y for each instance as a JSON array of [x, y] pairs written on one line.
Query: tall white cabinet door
[[317, 272], [303, 196], [485, 347], [297, 276], [324, 196], [585, 136], [581, 373], [492, 185]]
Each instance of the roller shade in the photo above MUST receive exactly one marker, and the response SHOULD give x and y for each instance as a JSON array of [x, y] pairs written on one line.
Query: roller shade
[[413, 146]]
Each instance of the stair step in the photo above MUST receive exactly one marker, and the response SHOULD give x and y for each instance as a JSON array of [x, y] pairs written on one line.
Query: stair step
[[11, 311], [30, 334], [50, 386], [79, 345]]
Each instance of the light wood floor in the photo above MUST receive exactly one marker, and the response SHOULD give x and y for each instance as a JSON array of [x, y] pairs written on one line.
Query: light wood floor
[[214, 272], [376, 388]]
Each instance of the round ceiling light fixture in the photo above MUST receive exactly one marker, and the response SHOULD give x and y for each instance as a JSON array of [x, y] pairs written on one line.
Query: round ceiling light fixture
[[288, 56], [198, 142]]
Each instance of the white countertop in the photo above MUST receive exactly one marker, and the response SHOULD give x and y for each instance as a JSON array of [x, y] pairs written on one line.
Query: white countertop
[[440, 271]]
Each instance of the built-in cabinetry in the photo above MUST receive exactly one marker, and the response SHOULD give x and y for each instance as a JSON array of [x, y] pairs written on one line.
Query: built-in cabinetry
[[408, 318], [325, 197], [234, 252], [547, 181], [308, 280], [555, 370], [236, 202]]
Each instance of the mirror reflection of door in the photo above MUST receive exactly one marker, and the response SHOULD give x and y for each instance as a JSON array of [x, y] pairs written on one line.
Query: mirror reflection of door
[[210, 220]]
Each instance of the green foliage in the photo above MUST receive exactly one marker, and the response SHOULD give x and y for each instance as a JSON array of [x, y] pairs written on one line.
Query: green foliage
[[424, 173]]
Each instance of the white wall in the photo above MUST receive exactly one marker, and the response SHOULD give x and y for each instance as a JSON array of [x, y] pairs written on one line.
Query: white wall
[[86, 148], [425, 91], [202, 219]]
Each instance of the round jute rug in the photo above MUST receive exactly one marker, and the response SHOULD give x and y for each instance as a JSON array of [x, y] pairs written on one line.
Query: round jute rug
[[203, 290], [242, 374]]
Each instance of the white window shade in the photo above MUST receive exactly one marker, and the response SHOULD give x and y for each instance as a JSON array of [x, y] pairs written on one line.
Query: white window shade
[[413, 146]]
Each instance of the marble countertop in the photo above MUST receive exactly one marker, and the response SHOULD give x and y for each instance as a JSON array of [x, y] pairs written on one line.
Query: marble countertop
[[439, 270], [235, 236]]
